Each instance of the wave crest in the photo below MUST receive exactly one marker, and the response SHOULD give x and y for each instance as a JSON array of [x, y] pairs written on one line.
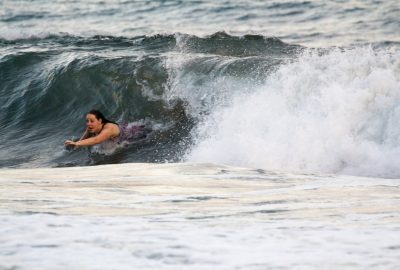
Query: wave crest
[[331, 113]]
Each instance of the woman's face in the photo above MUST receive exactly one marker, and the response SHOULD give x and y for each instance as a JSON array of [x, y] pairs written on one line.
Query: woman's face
[[93, 124]]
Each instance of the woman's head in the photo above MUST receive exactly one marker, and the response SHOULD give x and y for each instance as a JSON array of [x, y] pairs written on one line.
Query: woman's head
[[95, 121], [98, 114]]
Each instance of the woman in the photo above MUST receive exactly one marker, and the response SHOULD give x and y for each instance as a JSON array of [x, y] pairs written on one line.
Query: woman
[[109, 134], [99, 129]]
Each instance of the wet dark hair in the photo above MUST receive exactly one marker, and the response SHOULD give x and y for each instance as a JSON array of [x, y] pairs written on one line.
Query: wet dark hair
[[100, 116]]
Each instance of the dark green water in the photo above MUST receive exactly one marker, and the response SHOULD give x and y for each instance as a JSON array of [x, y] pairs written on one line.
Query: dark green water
[[49, 84]]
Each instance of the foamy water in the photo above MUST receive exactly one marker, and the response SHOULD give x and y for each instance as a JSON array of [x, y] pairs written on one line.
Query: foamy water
[[195, 216], [332, 113]]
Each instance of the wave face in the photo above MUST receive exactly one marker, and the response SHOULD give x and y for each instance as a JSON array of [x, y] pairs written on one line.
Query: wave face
[[244, 100], [49, 84]]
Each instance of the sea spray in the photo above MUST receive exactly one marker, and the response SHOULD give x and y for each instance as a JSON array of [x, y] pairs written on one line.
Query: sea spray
[[334, 113]]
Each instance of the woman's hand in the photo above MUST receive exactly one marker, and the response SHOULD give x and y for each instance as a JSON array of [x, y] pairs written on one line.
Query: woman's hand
[[69, 142], [70, 145]]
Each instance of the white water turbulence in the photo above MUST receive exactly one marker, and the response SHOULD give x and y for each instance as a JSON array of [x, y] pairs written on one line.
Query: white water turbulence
[[195, 216], [335, 112]]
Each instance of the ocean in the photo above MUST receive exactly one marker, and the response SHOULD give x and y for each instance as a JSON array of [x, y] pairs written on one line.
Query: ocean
[[269, 102]]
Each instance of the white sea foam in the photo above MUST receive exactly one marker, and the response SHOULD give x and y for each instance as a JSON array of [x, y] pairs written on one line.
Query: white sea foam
[[335, 113], [195, 216]]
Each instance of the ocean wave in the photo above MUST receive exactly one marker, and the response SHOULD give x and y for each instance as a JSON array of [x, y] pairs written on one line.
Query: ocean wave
[[244, 100]]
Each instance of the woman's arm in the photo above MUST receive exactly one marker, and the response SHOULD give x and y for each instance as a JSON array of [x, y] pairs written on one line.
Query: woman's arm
[[104, 135]]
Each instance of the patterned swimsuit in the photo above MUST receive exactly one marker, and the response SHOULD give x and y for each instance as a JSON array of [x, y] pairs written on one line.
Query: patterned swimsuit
[[130, 132]]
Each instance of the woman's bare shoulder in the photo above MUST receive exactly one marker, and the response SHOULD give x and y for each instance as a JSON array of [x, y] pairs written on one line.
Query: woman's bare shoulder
[[112, 128]]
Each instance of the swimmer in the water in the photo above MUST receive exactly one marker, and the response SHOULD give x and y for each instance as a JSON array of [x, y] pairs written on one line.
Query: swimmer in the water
[[99, 129]]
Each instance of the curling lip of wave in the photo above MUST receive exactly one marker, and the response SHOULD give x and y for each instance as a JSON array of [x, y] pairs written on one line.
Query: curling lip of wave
[[249, 44]]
